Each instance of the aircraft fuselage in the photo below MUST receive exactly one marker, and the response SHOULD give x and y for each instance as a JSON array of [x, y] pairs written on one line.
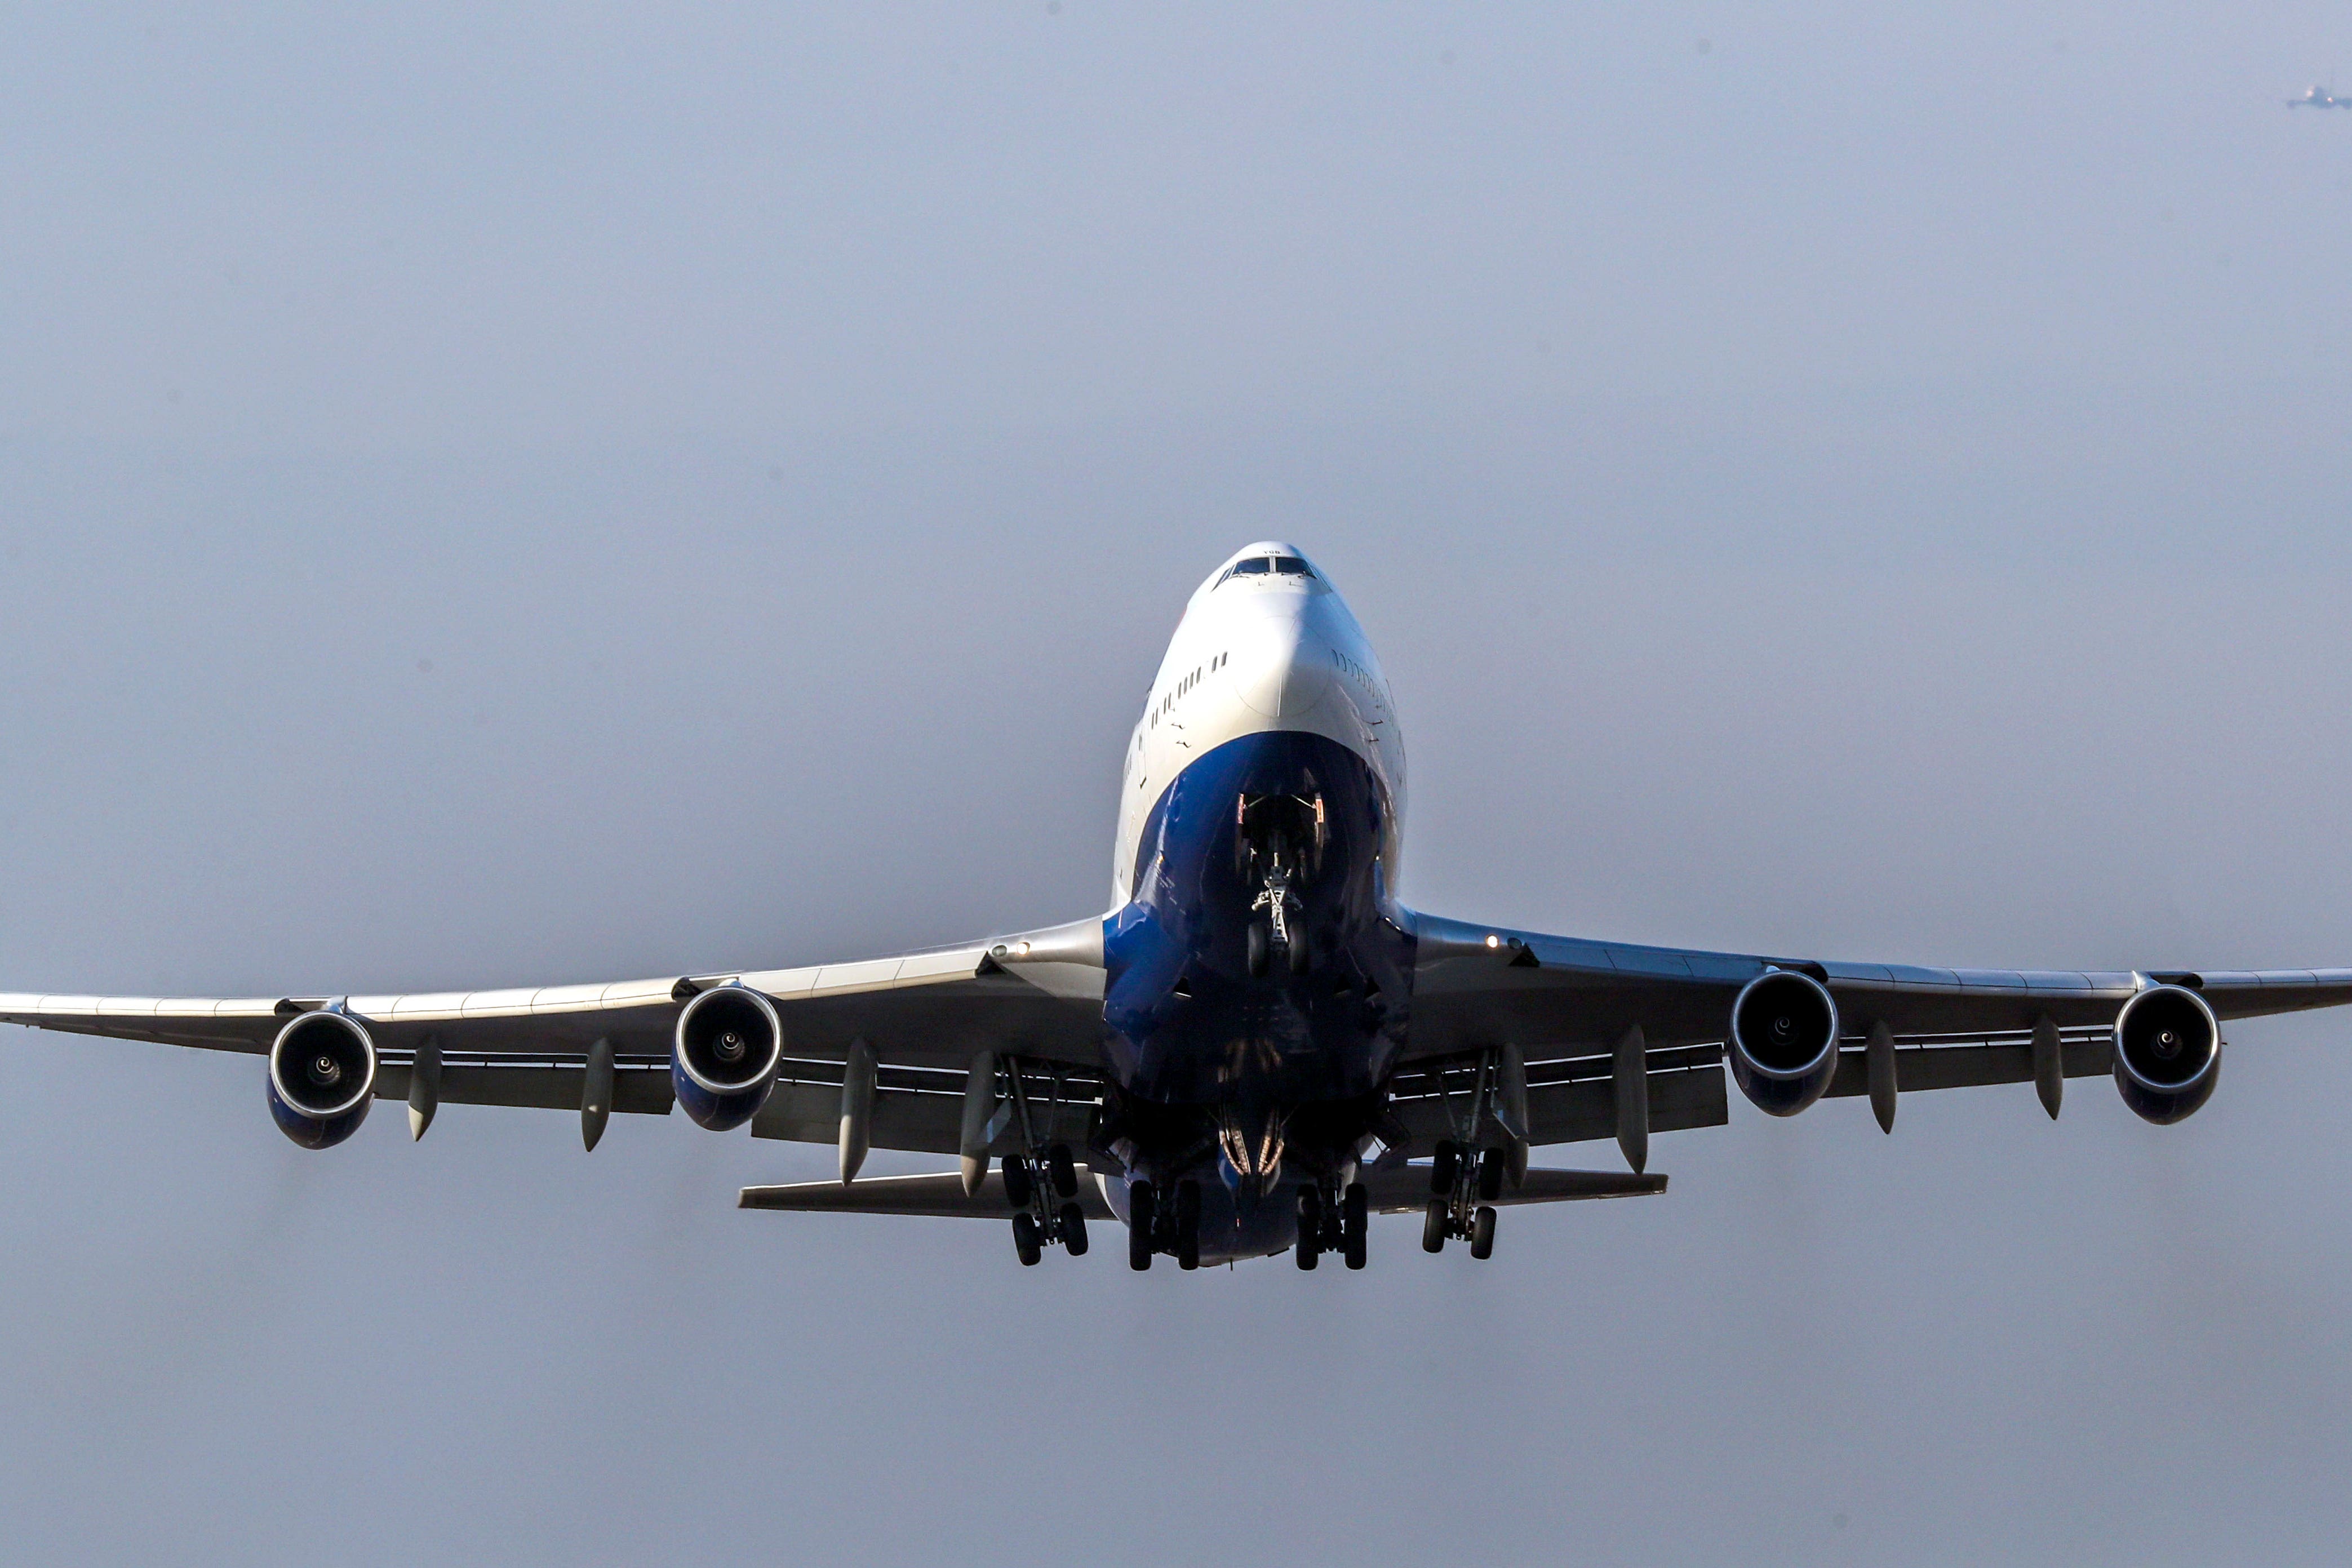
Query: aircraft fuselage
[[1257, 973]]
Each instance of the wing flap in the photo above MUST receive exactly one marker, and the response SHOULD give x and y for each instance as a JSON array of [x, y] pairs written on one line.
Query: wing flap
[[929, 1197], [1404, 1188]]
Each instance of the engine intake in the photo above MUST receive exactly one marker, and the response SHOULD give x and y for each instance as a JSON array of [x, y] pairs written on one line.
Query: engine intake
[[725, 1057], [322, 1078], [2168, 1054], [1784, 1041]]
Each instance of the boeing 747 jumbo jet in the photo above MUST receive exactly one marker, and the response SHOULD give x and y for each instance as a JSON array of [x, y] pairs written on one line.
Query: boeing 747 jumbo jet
[[1258, 1045]]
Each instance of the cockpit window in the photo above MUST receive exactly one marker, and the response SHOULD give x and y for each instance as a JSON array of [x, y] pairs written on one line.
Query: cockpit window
[[1261, 565]]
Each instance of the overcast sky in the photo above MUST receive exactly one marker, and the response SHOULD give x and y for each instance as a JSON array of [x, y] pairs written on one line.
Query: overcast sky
[[580, 493]]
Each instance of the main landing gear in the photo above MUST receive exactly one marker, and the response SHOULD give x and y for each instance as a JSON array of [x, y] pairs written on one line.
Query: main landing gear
[[1462, 1186], [1326, 1226], [1044, 1194], [1154, 1227]]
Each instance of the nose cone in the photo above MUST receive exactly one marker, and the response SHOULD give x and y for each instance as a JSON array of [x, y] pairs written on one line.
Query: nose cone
[[1281, 669]]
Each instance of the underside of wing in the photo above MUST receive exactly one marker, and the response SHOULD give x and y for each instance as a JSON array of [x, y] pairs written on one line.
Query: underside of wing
[[922, 1018], [1580, 1024], [940, 1197]]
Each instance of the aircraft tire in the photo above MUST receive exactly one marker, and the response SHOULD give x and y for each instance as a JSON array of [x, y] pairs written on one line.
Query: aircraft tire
[[1188, 1225], [1024, 1240], [1018, 1185], [1074, 1230], [1490, 1174], [1142, 1213], [1355, 1220], [1433, 1226], [1444, 1166], [1482, 1232], [1260, 942], [1064, 1170], [1301, 954]]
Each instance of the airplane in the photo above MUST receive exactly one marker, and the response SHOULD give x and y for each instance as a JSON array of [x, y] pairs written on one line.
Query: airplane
[[1258, 1045], [2319, 98]]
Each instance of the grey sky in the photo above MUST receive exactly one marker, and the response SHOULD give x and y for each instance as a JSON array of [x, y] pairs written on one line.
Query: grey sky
[[573, 494]]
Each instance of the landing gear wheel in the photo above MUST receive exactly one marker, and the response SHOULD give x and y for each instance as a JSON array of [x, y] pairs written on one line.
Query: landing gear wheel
[[1142, 1213], [1444, 1166], [1073, 1229], [1355, 1210], [1064, 1170], [1026, 1241], [1018, 1183], [1482, 1233], [1260, 942], [1435, 1225], [1310, 1227], [1490, 1174], [1299, 954], [1188, 1225]]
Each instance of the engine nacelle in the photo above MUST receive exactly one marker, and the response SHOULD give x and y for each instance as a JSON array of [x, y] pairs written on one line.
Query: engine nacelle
[[2167, 1052], [724, 1060], [322, 1078], [1784, 1041]]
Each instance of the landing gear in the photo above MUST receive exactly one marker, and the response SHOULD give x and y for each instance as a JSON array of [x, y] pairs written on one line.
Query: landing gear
[[1142, 1221], [1154, 1228], [1032, 1187], [1260, 947], [1187, 1224], [1332, 1221], [1040, 1174], [1464, 1185], [1063, 1169]]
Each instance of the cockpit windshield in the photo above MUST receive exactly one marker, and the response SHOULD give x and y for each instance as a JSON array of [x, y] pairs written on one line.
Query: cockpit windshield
[[1263, 565]]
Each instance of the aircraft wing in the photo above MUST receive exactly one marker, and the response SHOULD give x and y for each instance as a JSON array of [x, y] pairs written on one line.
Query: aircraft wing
[[924, 1015], [1400, 1189], [1565, 1004]]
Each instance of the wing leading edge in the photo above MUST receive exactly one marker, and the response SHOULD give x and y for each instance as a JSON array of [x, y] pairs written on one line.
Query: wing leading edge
[[922, 1015], [1566, 1006]]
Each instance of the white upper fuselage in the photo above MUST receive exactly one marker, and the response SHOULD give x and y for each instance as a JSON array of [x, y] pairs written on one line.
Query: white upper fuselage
[[1269, 646]]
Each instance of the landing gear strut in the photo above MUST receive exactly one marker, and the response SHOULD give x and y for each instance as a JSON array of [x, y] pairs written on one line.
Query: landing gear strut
[[1154, 1227], [1462, 1186], [1332, 1221], [1044, 1195]]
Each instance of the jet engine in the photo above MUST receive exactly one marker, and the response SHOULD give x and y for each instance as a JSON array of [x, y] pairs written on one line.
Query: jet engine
[[322, 1078], [1784, 1040], [724, 1060], [2167, 1052]]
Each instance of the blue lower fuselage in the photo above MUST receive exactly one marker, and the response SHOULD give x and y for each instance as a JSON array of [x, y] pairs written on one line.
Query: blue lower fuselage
[[1257, 984]]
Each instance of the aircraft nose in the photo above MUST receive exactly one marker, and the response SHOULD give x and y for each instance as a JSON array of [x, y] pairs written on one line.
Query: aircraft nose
[[1281, 669]]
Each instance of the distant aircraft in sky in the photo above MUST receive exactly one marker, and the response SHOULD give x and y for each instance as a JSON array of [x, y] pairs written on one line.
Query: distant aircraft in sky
[[1256, 1045], [2319, 98]]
